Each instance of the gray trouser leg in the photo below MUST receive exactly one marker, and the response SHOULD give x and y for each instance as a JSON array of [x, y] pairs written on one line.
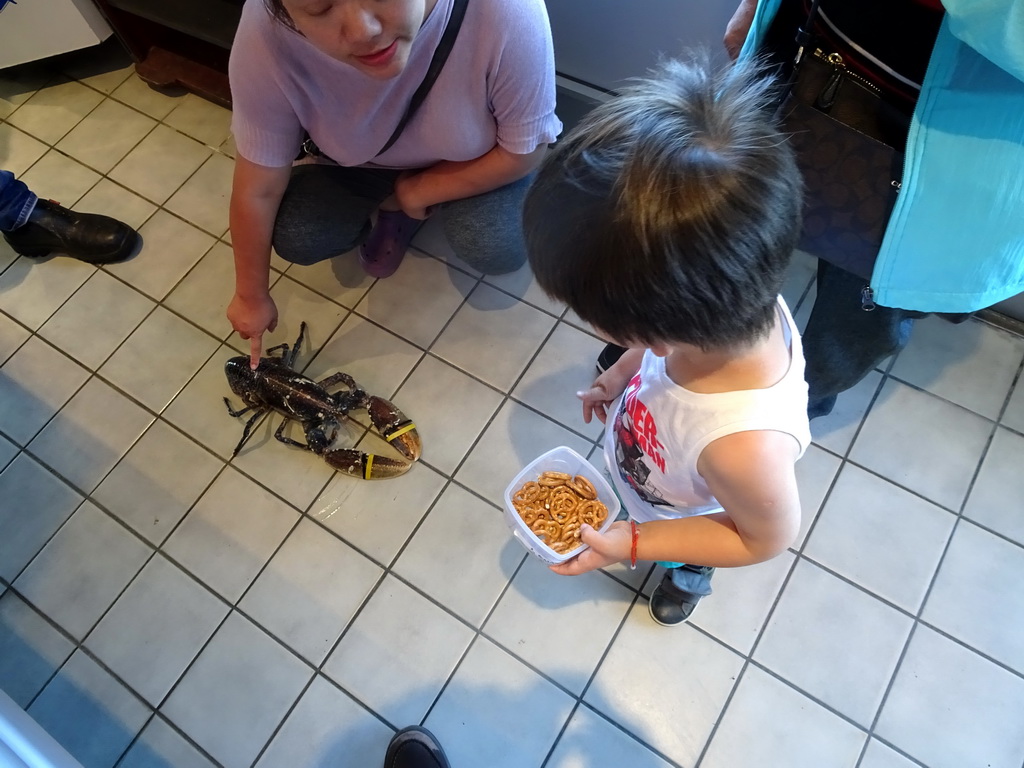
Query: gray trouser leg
[[486, 231], [326, 210]]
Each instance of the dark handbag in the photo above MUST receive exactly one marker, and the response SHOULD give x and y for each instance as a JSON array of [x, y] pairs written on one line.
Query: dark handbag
[[444, 48], [849, 146]]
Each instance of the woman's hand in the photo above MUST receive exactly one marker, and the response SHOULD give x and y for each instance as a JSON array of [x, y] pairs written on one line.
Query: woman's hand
[[405, 197], [612, 546], [738, 27], [251, 318]]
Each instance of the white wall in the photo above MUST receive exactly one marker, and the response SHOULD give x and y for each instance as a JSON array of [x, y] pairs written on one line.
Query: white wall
[[603, 42]]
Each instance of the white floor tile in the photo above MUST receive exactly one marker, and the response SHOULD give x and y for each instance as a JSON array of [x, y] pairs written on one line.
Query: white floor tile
[[310, 590], [564, 366], [230, 534], [12, 336], [36, 383], [111, 199], [769, 723], [18, 84], [836, 431], [377, 519], [42, 286], [157, 482], [36, 504], [450, 409], [481, 341], [702, 672], [90, 434], [398, 653], [20, 149], [590, 741], [497, 712], [31, 650], [523, 285], [201, 119], [160, 164], [54, 110], [741, 601], [975, 590], [138, 94], [949, 707], [879, 755], [418, 300], [160, 745], [836, 643], [461, 555], [995, 499], [106, 135], [203, 199], [815, 473], [156, 628], [516, 437], [90, 336], [203, 295], [58, 177], [327, 728], [1014, 415], [923, 443], [159, 359], [558, 624], [171, 247], [88, 712], [82, 570], [246, 677], [883, 538], [944, 359]]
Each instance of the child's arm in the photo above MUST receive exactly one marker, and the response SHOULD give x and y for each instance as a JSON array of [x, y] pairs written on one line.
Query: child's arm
[[752, 476], [609, 385]]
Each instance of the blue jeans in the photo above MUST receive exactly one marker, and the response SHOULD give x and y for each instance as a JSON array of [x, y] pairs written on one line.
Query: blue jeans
[[16, 202]]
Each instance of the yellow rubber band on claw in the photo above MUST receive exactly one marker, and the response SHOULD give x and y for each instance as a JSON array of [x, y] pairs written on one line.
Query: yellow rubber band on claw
[[399, 432], [369, 466]]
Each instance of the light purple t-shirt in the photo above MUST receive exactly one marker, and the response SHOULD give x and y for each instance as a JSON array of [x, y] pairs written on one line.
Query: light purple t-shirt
[[497, 87]]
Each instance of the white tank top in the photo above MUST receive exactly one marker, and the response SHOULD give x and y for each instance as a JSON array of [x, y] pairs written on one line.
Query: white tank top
[[658, 430]]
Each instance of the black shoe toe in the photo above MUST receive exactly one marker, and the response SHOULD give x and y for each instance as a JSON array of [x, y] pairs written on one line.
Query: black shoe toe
[[88, 237]]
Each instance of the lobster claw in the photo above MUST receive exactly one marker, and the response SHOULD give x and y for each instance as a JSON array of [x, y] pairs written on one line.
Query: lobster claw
[[394, 426], [367, 466]]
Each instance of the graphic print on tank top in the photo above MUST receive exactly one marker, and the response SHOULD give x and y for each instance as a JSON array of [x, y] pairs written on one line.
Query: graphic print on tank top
[[637, 448]]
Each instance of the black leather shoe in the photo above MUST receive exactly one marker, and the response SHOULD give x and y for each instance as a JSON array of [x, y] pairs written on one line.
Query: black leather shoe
[[676, 597], [87, 237], [415, 747]]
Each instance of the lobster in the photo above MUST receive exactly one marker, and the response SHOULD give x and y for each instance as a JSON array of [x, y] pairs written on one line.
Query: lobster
[[275, 386]]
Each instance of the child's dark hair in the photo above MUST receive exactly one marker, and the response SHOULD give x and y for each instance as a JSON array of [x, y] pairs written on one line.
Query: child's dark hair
[[670, 213]]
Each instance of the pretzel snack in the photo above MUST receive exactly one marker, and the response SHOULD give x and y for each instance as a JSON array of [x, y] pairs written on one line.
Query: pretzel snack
[[556, 505]]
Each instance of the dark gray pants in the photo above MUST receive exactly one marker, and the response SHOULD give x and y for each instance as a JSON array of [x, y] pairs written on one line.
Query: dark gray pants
[[326, 212], [842, 342]]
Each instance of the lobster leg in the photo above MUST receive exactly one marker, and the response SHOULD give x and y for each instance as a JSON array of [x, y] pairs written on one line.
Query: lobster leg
[[339, 378], [289, 357], [248, 430], [279, 434], [235, 413]]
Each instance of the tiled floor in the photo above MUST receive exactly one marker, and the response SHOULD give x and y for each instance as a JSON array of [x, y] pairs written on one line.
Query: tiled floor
[[163, 606]]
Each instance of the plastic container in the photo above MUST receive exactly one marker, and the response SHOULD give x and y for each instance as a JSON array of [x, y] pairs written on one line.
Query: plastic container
[[561, 459]]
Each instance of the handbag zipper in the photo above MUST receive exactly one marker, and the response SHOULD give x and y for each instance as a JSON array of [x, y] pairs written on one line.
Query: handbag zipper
[[830, 91]]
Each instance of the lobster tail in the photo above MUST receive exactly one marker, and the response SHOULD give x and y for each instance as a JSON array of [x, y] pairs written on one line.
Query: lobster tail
[[395, 427]]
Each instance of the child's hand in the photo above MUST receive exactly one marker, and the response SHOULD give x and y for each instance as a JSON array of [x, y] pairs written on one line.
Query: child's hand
[[606, 548], [596, 401]]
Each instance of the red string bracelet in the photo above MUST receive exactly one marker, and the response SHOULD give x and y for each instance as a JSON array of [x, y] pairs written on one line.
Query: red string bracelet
[[635, 531]]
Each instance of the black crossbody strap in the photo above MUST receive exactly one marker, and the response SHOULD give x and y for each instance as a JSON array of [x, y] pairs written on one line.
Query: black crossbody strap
[[444, 47]]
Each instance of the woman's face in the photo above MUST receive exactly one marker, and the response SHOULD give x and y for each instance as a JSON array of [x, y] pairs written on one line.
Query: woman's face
[[374, 36]]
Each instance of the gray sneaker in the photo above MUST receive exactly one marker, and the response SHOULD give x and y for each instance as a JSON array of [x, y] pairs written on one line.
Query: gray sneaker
[[676, 597]]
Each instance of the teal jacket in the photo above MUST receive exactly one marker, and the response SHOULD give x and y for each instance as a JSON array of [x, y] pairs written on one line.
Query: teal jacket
[[955, 241]]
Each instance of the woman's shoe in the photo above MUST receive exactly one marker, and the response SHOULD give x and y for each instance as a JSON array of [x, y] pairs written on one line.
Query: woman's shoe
[[88, 237], [385, 248]]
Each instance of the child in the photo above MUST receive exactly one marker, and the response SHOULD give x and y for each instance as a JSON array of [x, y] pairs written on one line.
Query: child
[[666, 221]]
